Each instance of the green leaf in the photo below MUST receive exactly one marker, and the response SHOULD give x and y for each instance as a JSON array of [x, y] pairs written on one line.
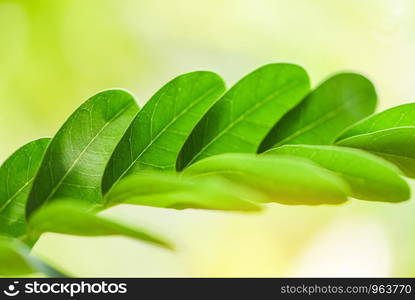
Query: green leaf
[[336, 104], [389, 134], [16, 177], [399, 116], [76, 157], [69, 217], [395, 144], [284, 180], [240, 120], [15, 260], [369, 177], [154, 139], [170, 191]]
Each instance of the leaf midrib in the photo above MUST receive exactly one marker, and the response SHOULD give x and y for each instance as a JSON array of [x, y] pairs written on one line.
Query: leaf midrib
[[371, 121], [372, 133], [163, 130], [57, 186], [8, 201]]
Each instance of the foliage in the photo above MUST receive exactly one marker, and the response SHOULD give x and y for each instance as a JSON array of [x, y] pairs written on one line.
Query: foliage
[[196, 145]]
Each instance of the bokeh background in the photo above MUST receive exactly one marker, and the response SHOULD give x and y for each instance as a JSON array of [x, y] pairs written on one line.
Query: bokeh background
[[55, 54]]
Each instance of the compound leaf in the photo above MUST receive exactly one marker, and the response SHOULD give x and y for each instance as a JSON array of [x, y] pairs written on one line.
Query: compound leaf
[[284, 180], [16, 177], [369, 177], [398, 116], [76, 157], [155, 137], [389, 134], [334, 105], [71, 217], [171, 191], [240, 120], [395, 144]]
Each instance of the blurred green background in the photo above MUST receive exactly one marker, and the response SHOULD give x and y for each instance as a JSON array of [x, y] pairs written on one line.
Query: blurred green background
[[55, 54]]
